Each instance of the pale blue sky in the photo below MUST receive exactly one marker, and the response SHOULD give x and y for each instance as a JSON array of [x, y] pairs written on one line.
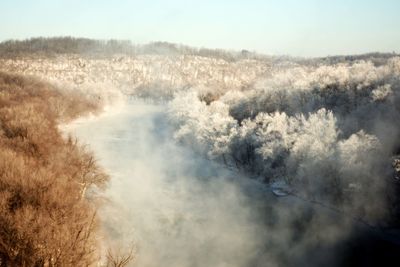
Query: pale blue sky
[[294, 27]]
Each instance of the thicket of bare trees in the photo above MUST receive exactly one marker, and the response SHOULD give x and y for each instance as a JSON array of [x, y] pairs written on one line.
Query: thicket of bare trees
[[45, 217]]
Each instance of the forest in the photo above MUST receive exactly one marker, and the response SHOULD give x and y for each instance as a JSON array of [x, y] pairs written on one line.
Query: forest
[[322, 130], [329, 132]]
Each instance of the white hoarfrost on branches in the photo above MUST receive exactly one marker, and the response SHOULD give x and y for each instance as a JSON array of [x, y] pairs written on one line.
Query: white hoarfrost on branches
[[355, 153], [327, 131], [209, 127], [381, 93], [324, 129]]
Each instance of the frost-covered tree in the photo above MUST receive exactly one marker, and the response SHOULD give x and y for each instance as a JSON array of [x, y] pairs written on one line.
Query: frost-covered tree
[[313, 147], [327, 130], [210, 127]]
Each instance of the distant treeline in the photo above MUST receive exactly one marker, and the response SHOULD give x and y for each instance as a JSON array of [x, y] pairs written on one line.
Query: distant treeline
[[49, 47], [69, 45], [378, 59]]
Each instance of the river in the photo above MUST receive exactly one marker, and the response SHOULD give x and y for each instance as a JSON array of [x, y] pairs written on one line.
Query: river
[[179, 209], [176, 207]]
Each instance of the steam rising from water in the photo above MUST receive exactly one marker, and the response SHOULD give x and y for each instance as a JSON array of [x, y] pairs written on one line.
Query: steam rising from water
[[178, 208]]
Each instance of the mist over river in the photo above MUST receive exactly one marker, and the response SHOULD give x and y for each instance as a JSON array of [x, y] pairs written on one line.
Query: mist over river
[[177, 208], [180, 209]]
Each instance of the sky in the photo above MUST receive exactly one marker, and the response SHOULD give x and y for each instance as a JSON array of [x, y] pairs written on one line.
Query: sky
[[278, 27]]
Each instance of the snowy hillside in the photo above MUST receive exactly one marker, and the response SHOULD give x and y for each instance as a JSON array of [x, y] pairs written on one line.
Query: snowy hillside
[[132, 74]]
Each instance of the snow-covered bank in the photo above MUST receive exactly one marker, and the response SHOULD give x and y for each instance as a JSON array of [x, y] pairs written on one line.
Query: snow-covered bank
[[110, 108]]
